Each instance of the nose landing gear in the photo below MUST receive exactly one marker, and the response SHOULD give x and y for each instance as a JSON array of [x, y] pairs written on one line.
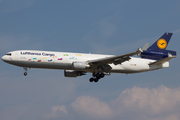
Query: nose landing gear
[[25, 69]]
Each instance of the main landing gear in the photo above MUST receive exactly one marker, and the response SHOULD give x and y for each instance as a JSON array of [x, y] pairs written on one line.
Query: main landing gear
[[96, 77], [25, 69]]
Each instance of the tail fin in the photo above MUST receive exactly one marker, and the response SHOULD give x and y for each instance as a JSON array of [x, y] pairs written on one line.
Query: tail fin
[[161, 43], [158, 50]]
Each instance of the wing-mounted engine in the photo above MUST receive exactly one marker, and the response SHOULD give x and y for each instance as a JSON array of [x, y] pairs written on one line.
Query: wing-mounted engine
[[73, 73], [79, 65]]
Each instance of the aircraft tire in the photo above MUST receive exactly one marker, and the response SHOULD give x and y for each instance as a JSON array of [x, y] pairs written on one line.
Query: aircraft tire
[[102, 75], [91, 79], [96, 80], [25, 73]]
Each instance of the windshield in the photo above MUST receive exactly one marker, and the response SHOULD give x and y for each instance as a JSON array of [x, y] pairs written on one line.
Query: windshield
[[9, 54]]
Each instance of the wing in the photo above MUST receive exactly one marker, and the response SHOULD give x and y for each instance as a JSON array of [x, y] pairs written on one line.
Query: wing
[[114, 59]]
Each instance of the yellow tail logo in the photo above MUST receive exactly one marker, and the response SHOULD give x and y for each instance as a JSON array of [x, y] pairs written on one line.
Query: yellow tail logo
[[161, 43]]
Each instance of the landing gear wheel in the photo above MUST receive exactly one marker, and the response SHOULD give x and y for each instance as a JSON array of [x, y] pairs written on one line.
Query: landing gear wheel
[[96, 77], [91, 79], [25, 73], [96, 80], [102, 75]]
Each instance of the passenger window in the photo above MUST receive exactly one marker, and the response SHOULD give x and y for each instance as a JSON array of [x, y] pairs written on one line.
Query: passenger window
[[9, 54]]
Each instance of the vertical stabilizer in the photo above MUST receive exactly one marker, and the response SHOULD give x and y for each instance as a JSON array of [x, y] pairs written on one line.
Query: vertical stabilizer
[[161, 43], [158, 51]]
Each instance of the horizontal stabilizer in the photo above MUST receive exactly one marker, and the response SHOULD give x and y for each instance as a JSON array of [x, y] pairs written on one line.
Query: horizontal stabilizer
[[163, 60]]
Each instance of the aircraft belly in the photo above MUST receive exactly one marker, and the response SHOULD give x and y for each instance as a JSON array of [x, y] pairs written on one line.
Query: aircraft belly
[[131, 67], [51, 65]]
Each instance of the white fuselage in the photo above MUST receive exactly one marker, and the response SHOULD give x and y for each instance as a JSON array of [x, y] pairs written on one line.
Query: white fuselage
[[64, 60]]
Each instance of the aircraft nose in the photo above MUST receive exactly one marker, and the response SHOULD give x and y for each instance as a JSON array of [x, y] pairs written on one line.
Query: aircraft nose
[[3, 58]]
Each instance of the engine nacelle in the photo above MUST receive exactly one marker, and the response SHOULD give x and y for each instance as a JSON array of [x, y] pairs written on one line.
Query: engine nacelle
[[72, 73], [79, 65]]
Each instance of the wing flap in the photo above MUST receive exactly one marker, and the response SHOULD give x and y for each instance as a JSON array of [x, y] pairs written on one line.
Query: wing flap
[[114, 59]]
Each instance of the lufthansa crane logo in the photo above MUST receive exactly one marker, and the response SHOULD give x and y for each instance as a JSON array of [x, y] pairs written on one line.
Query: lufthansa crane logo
[[161, 43]]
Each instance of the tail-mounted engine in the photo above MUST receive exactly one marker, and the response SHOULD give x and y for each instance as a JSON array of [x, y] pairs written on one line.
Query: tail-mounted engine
[[156, 55]]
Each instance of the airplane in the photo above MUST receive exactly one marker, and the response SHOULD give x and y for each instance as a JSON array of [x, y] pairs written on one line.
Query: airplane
[[77, 64]]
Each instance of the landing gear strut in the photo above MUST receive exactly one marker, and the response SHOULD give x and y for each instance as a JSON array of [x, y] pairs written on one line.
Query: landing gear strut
[[96, 77], [25, 69]]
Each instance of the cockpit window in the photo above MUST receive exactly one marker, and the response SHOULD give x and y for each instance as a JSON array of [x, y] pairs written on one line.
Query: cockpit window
[[9, 54]]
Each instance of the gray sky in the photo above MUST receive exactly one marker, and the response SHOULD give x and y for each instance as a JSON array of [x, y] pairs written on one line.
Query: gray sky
[[103, 27]]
